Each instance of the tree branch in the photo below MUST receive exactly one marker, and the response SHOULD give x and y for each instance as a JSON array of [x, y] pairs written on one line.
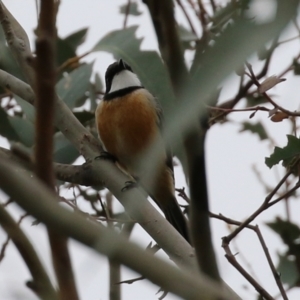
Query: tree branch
[[186, 284], [164, 22], [133, 200], [41, 284], [45, 108]]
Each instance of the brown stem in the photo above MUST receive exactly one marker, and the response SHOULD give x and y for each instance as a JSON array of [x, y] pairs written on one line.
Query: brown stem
[[45, 108]]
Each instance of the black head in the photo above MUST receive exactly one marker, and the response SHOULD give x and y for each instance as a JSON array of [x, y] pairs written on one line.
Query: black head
[[113, 70]]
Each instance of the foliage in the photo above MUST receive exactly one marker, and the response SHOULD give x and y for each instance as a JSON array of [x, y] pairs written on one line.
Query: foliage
[[229, 35]]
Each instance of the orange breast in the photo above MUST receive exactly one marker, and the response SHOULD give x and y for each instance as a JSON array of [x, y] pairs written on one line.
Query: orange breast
[[127, 125]]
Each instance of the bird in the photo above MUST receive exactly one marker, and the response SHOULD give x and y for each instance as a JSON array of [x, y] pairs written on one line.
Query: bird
[[128, 120]]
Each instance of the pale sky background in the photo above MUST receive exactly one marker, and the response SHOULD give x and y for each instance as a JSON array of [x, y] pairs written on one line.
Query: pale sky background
[[233, 187]]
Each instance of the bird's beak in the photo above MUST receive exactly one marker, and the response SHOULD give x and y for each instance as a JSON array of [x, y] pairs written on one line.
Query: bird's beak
[[121, 63]]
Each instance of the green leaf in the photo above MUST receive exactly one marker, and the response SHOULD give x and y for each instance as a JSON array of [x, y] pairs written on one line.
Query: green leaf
[[288, 270], [256, 128], [133, 9], [263, 53], [296, 67], [64, 151], [289, 232], [186, 37], [84, 116], [28, 109], [6, 130], [255, 99], [73, 88], [7, 61], [64, 51], [146, 64], [94, 91], [285, 154], [185, 34], [24, 130], [77, 38]]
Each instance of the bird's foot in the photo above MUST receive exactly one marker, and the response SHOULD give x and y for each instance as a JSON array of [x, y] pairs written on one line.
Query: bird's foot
[[107, 156], [129, 185]]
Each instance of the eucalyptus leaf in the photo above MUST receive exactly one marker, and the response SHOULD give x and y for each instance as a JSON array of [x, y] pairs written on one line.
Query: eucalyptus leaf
[[64, 151], [6, 129], [27, 108], [77, 38], [64, 51], [288, 271], [74, 86], [24, 130]]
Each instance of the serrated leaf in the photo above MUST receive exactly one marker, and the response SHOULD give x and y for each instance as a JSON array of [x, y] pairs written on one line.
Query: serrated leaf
[[288, 270], [146, 64], [133, 9], [74, 87], [77, 38], [287, 153], [256, 128], [64, 151], [289, 232]]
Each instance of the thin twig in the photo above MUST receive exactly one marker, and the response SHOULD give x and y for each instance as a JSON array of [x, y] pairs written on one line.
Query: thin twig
[[3, 248], [126, 13], [231, 258], [271, 264], [256, 82], [187, 16], [264, 247], [263, 207], [213, 5]]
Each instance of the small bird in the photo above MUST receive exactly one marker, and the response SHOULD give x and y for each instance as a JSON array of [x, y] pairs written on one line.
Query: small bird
[[129, 120]]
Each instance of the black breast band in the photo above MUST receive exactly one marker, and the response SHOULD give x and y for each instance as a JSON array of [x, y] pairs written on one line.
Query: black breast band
[[121, 93]]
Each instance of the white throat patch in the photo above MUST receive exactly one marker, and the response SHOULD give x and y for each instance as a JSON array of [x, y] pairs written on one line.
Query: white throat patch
[[124, 80]]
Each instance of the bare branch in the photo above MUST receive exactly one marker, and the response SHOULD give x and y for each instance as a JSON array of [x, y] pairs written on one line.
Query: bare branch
[[41, 285], [187, 285]]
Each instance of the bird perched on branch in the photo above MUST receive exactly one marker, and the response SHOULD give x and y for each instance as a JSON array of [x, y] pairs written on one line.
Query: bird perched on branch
[[128, 120]]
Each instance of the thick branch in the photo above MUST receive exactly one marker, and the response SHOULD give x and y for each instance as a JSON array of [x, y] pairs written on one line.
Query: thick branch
[[133, 200], [103, 240], [166, 30]]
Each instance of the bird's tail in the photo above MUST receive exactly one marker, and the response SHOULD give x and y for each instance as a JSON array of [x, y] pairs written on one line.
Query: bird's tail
[[175, 216]]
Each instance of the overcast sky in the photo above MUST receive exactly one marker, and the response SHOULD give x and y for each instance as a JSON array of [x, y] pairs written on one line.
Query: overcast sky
[[234, 189]]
